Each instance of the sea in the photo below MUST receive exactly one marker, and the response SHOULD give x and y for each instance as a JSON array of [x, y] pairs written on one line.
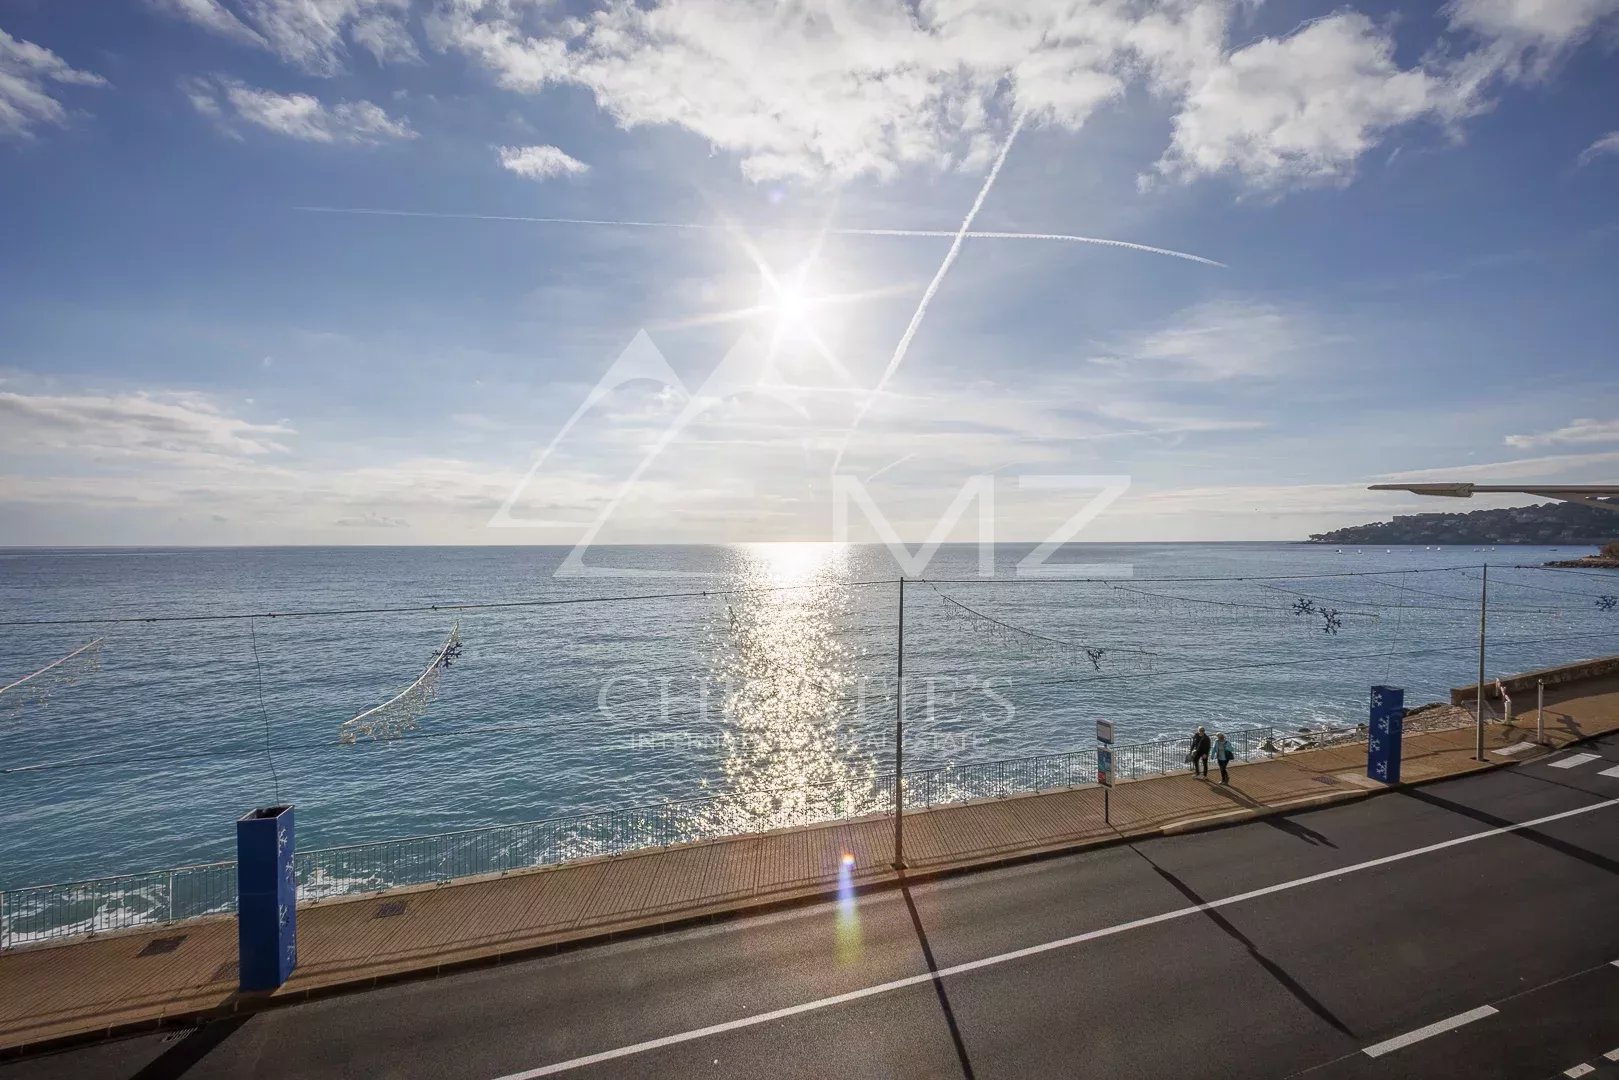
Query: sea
[[205, 682]]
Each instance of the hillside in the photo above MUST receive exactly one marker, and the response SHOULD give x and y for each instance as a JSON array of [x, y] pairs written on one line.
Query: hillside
[[1553, 524]]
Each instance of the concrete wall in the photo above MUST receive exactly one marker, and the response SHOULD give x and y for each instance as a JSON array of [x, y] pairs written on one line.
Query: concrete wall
[[1518, 685]]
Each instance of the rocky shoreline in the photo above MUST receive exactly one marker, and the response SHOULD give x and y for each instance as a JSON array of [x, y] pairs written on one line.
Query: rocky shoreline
[[1607, 559]]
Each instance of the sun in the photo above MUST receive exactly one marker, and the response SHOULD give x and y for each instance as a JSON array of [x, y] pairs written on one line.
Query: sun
[[793, 304]]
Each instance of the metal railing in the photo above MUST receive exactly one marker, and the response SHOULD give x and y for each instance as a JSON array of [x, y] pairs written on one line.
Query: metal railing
[[76, 908], [46, 912]]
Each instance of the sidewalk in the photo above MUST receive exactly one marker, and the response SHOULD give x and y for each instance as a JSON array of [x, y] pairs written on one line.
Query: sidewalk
[[180, 973]]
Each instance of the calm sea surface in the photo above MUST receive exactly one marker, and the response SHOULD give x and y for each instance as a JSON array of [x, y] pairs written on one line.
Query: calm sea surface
[[146, 760]]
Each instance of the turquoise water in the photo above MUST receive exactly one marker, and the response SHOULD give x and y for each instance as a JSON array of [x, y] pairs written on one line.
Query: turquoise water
[[147, 760]]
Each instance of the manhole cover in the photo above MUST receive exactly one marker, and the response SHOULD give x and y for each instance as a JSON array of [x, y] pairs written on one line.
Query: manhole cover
[[389, 910], [161, 945]]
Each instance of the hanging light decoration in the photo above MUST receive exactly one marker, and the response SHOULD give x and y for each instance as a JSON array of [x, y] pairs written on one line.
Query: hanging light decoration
[[402, 713], [37, 686]]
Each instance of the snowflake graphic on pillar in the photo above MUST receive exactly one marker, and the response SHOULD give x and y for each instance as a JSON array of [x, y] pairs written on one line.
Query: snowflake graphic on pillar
[[1375, 745], [1382, 770]]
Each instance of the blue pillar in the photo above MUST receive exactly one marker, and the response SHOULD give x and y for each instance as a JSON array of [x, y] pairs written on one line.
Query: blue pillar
[[1384, 734], [266, 898]]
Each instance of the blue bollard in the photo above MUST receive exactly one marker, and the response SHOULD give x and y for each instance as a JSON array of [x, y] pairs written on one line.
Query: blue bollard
[[1383, 735], [266, 898]]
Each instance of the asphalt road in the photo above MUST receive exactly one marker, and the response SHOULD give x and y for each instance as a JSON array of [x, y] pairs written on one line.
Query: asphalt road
[[1324, 945]]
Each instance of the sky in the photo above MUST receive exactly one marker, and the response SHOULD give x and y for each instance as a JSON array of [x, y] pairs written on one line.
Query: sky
[[535, 271]]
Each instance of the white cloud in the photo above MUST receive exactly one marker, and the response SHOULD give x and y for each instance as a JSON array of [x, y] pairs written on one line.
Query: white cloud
[[148, 426], [836, 90], [1220, 339], [1608, 144], [315, 35], [1576, 432], [1554, 468], [1525, 38], [540, 162], [26, 99], [1302, 109], [297, 116], [211, 15], [372, 520]]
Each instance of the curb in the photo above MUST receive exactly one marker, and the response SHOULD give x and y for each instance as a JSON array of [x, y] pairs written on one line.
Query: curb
[[240, 1006]]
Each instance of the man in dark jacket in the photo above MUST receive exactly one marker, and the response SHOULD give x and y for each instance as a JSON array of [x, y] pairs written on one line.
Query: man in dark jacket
[[1198, 755]]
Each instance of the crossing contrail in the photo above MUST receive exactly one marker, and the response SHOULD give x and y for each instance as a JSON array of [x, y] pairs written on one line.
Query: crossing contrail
[[695, 226], [904, 345]]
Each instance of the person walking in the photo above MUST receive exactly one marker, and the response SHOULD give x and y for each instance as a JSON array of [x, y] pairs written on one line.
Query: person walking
[[1223, 755], [1198, 755]]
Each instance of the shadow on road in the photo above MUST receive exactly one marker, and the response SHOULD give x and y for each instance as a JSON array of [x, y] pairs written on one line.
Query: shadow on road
[[178, 1059], [938, 984], [1281, 824], [1563, 847], [1276, 971]]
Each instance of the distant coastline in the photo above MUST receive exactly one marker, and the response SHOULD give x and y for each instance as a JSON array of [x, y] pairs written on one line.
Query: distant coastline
[[1557, 524]]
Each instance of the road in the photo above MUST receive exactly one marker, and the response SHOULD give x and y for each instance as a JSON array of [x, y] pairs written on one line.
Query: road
[[1422, 933]]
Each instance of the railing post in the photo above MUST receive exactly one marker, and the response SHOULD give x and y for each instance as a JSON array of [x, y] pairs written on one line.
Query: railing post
[[171, 897]]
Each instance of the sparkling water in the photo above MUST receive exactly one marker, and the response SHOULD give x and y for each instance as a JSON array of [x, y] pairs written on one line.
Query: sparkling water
[[147, 760]]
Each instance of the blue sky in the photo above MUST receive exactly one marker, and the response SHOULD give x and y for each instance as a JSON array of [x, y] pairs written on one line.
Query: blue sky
[[1414, 211]]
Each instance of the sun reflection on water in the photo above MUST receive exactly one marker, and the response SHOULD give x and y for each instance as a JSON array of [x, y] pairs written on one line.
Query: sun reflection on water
[[788, 669]]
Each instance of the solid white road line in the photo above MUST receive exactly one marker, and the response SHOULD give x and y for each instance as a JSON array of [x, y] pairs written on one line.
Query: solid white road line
[[1573, 760], [1610, 772], [1034, 950], [1437, 1028], [1581, 1069]]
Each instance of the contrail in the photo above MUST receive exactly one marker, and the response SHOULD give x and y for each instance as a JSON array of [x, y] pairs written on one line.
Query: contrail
[[693, 226], [933, 286], [1069, 238]]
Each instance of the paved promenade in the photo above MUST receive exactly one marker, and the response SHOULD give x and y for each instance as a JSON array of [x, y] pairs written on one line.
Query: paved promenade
[[172, 974]]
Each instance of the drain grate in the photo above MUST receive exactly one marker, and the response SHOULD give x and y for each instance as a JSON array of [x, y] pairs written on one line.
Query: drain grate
[[229, 971], [389, 910], [161, 945], [1327, 780]]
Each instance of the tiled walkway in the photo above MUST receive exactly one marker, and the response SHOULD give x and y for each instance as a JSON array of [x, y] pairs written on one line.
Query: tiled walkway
[[114, 981]]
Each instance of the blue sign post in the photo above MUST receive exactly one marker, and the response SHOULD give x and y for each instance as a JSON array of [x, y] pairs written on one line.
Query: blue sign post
[[266, 898], [1384, 735]]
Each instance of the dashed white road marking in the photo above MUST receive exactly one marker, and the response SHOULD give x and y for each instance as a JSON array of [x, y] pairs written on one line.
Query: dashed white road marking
[[1610, 772], [1515, 748], [1573, 760], [1581, 1069], [1439, 1027], [1034, 950], [1612, 1055]]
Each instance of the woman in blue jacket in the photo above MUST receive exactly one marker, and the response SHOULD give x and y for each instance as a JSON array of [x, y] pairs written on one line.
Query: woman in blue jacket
[[1223, 755]]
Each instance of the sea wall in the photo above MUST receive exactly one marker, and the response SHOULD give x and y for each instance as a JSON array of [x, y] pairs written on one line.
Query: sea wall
[[1516, 685]]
